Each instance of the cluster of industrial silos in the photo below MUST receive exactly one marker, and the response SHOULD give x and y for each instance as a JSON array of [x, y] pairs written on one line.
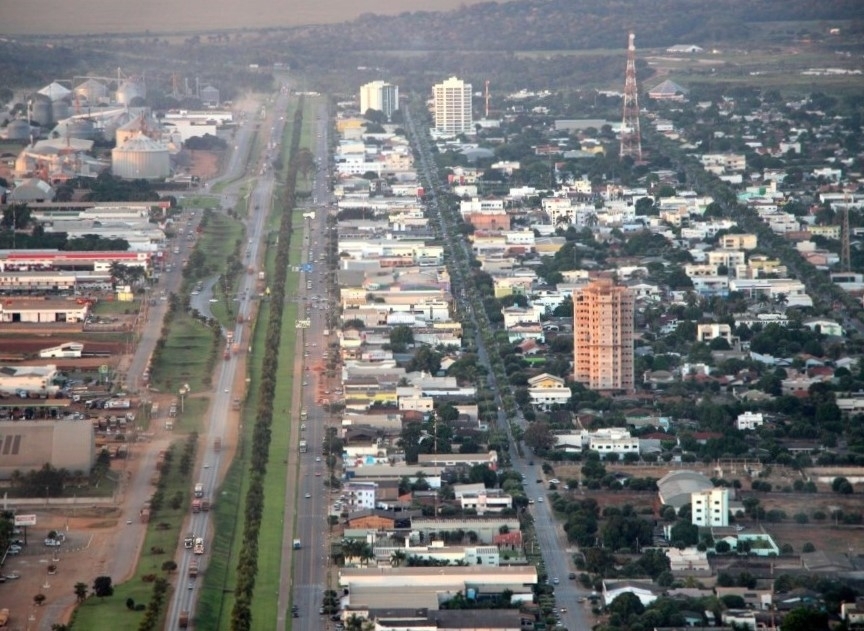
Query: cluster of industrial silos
[[90, 110]]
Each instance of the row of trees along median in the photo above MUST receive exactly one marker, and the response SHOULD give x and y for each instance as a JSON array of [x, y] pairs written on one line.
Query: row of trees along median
[[247, 563]]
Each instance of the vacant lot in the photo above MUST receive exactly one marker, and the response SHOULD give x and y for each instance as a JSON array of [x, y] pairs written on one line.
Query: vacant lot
[[166, 16]]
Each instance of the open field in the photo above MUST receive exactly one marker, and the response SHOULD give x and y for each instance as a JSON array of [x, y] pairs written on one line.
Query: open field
[[165, 16], [115, 307]]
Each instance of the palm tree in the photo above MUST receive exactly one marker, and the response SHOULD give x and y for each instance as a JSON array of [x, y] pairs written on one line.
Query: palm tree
[[366, 554], [81, 591], [398, 558]]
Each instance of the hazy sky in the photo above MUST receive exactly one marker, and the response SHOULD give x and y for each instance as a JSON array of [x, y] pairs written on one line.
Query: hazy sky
[[76, 17]]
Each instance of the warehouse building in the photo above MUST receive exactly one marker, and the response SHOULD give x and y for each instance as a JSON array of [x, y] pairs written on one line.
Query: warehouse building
[[43, 311], [27, 445]]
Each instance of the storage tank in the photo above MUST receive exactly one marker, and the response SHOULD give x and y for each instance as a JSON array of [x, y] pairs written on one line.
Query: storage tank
[[18, 129], [130, 90], [92, 91], [110, 128], [60, 110], [83, 128], [141, 157], [40, 110]]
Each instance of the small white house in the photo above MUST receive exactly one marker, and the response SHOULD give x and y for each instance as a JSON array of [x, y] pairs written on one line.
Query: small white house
[[749, 420]]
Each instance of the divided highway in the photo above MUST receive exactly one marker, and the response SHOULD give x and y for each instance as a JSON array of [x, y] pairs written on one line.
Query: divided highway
[[303, 584], [185, 595]]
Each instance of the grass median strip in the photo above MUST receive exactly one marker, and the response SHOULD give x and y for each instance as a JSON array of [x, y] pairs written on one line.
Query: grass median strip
[[160, 541]]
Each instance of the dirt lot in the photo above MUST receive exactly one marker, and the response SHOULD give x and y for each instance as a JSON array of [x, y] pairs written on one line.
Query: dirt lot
[[204, 164], [90, 532]]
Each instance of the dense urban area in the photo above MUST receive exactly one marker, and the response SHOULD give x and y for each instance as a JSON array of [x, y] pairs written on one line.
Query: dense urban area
[[375, 339]]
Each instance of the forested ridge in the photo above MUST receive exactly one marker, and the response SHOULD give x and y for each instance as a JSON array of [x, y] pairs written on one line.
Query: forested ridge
[[575, 24]]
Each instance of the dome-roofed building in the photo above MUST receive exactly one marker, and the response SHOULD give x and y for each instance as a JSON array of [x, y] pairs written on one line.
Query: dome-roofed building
[[676, 487], [83, 128], [18, 129], [32, 190], [141, 157], [55, 91]]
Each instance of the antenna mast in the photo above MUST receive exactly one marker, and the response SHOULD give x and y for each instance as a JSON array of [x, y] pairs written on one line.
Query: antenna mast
[[631, 138], [845, 255], [486, 96]]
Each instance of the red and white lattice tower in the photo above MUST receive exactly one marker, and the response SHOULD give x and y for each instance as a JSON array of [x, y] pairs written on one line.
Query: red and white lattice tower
[[631, 138]]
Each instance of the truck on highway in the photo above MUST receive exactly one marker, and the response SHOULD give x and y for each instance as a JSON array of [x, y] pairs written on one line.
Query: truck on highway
[[193, 568], [205, 504], [189, 541], [199, 546], [4, 617], [183, 620], [296, 544], [303, 414], [196, 506], [217, 444], [199, 489], [303, 446]]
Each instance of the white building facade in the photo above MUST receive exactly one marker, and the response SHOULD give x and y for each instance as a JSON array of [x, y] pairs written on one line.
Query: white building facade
[[710, 508], [452, 105]]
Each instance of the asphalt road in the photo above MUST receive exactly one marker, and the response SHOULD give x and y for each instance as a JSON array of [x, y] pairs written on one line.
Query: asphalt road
[[185, 596], [550, 536], [311, 564], [200, 302]]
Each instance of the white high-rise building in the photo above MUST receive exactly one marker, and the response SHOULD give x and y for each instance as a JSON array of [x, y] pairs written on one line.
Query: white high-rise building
[[710, 508], [452, 103], [379, 95]]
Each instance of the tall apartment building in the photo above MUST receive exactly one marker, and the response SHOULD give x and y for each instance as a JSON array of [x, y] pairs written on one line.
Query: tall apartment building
[[452, 103], [603, 336], [379, 95], [710, 508]]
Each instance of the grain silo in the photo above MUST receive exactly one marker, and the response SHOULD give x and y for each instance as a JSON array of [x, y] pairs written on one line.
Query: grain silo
[[55, 91], [18, 129], [130, 90], [60, 109], [41, 110], [209, 96], [141, 157], [92, 91], [83, 128]]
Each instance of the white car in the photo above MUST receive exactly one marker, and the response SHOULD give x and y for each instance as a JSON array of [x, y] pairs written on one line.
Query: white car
[[308, 495]]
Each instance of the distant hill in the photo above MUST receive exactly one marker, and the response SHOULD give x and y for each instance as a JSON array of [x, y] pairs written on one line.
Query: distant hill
[[554, 25]]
